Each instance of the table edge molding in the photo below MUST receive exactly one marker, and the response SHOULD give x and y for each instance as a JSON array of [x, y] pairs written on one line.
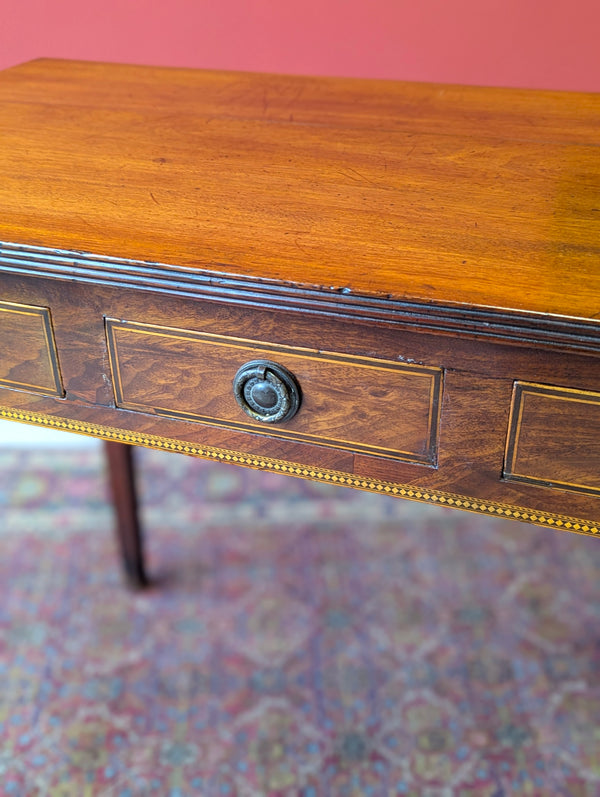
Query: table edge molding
[[220, 283]]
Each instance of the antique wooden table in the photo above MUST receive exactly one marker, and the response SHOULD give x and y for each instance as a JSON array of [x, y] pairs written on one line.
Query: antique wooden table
[[384, 285]]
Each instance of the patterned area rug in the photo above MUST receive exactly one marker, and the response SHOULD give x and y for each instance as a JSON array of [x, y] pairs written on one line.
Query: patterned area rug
[[300, 640]]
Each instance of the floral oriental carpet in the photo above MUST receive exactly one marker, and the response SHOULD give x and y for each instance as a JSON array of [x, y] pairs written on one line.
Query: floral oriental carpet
[[299, 640]]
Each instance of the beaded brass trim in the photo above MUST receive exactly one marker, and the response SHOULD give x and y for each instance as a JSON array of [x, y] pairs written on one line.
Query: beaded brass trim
[[494, 508]]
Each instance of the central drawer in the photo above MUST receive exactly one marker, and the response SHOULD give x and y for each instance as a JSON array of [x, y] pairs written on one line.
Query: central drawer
[[383, 408]]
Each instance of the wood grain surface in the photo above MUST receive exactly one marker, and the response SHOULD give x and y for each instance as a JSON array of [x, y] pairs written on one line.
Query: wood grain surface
[[382, 408], [554, 438], [28, 357], [441, 194], [475, 410], [417, 235]]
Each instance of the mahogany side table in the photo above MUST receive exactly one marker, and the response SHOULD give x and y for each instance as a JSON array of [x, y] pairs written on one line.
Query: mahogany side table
[[384, 285]]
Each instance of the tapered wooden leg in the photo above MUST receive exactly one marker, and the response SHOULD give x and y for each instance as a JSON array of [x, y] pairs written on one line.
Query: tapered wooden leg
[[121, 474]]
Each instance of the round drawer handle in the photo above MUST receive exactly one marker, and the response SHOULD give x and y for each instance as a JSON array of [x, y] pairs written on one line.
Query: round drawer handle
[[266, 391]]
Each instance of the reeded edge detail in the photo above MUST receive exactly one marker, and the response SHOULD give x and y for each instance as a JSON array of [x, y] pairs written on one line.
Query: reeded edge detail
[[436, 497], [220, 282]]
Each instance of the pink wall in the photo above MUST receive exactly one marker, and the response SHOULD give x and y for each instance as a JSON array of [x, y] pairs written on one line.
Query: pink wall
[[537, 43]]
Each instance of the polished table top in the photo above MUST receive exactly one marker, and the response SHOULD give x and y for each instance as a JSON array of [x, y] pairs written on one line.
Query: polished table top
[[422, 259]]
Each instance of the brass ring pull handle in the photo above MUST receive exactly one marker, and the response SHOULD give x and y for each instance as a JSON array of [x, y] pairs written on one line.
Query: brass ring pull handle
[[267, 391]]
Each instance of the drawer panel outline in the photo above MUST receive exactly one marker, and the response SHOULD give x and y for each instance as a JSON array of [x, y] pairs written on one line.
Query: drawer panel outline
[[143, 355], [28, 354], [554, 438]]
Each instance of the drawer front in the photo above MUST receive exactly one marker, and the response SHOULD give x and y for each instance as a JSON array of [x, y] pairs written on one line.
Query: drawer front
[[371, 406], [554, 438], [28, 357]]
